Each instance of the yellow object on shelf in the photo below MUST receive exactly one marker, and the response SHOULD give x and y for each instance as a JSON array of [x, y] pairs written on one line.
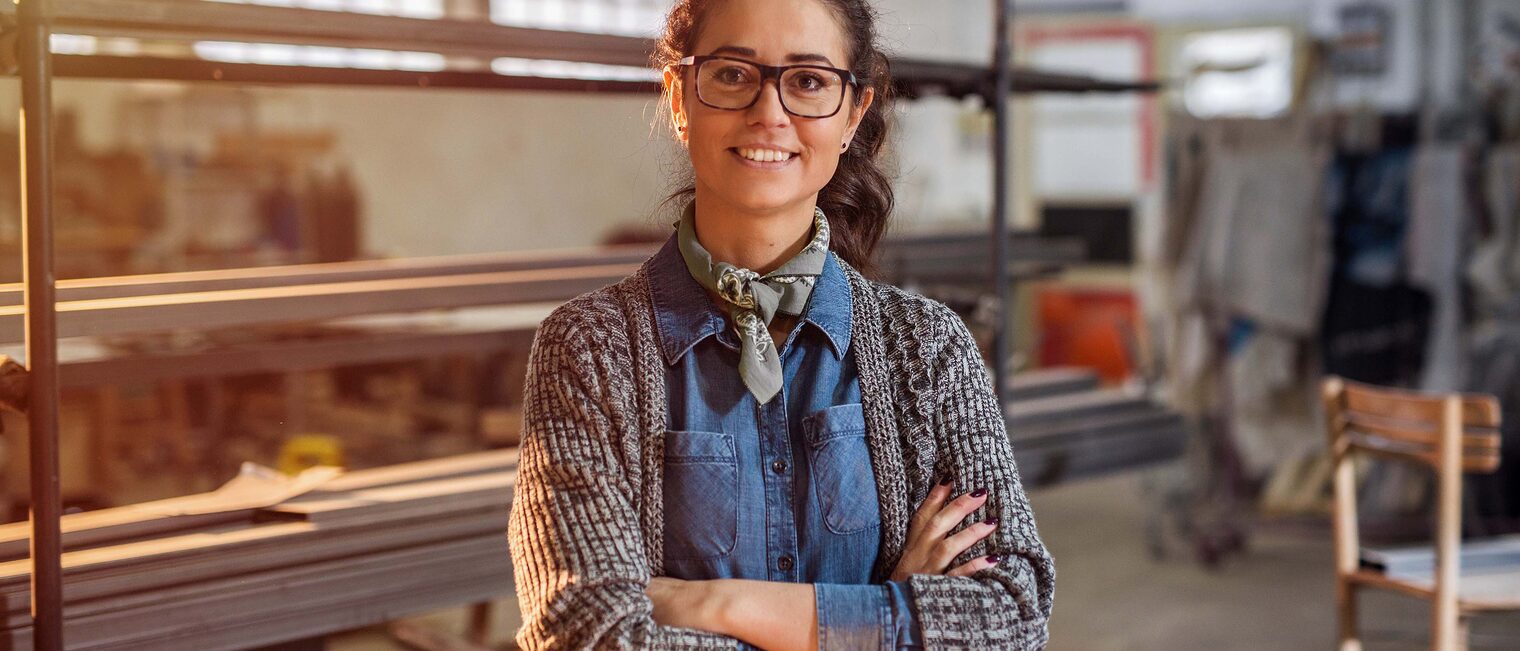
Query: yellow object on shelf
[[309, 451]]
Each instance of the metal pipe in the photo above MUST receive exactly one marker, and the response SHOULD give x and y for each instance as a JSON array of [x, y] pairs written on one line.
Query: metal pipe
[[1002, 66], [41, 340]]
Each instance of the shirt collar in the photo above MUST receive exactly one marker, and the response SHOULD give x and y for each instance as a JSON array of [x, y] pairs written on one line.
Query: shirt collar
[[684, 314]]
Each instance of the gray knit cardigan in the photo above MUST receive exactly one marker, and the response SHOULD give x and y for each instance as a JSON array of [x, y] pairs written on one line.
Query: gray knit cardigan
[[586, 524]]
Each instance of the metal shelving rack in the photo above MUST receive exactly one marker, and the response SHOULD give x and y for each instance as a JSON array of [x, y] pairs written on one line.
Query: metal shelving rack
[[34, 21]]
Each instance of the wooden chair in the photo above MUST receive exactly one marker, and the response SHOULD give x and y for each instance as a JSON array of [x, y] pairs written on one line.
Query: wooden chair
[[1452, 434]]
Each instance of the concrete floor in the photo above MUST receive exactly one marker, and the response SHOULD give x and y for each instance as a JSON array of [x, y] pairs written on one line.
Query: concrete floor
[[1111, 595]]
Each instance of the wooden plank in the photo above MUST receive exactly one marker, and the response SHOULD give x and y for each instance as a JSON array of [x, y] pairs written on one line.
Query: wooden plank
[[1422, 434], [1479, 411]]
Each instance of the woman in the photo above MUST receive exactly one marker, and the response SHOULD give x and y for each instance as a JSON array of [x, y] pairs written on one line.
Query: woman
[[721, 450]]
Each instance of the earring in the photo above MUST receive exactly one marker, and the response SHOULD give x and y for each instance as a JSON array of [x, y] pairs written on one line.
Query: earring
[[846, 147]]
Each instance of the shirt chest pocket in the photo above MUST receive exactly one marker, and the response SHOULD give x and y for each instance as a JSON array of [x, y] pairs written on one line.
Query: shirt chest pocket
[[842, 474], [701, 495]]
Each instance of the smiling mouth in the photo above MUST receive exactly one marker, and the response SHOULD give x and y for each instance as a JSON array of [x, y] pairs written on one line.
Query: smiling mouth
[[767, 157]]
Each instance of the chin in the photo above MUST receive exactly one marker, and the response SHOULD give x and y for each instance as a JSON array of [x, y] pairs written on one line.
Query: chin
[[764, 202]]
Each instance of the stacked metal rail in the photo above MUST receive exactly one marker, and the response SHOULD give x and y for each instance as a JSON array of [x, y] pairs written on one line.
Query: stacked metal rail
[[374, 545], [185, 573], [1064, 427]]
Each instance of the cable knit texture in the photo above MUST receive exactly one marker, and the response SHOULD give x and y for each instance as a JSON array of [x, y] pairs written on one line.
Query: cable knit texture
[[586, 525]]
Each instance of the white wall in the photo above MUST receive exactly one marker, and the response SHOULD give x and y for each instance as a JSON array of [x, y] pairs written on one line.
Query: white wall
[[462, 172], [445, 172]]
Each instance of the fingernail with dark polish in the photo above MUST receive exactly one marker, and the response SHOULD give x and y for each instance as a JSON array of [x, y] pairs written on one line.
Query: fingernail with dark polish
[[994, 558], [979, 492], [992, 520], [945, 481]]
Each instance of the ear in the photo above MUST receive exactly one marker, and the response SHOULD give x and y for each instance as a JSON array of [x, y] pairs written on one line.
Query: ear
[[859, 112], [677, 105]]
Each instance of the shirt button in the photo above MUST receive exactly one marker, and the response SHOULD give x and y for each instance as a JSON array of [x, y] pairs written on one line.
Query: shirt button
[[779, 466], [785, 563]]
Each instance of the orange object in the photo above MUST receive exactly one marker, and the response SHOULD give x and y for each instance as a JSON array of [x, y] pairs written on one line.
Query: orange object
[[1088, 328]]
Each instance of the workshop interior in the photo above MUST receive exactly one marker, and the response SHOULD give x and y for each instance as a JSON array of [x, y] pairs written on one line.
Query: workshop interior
[[1245, 276]]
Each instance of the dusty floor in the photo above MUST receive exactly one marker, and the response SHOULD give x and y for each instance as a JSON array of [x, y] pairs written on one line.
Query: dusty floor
[[1111, 595]]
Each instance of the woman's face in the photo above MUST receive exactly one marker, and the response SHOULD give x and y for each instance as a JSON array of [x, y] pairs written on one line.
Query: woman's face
[[774, 32]]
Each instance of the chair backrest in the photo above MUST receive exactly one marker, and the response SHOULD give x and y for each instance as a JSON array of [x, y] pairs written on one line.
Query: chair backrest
[[1408, 425], [1452, 434]]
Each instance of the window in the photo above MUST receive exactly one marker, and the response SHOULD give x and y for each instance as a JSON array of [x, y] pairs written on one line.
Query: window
[[280, 54], [626, 17], [408, 8], [1237, 73], [621, 17]]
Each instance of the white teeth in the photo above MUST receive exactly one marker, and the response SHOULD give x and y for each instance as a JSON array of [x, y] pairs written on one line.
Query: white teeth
[[764, 155]]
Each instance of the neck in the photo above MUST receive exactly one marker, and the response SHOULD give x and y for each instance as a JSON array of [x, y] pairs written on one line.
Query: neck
[[759, 241]]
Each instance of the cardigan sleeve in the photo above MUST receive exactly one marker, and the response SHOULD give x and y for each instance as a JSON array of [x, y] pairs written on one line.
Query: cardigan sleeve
[[1008, 605], [577, 548]]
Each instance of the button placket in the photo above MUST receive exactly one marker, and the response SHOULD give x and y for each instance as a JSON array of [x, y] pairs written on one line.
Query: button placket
[[781, 534]]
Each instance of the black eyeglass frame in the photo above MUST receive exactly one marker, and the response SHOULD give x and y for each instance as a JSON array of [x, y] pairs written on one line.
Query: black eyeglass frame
[[769, 72]]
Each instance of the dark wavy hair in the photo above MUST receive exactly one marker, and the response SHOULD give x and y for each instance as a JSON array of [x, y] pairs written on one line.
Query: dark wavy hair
[[858, 200]]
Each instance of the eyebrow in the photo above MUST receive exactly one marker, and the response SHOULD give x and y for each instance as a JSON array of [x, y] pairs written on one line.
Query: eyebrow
[[792, 58]]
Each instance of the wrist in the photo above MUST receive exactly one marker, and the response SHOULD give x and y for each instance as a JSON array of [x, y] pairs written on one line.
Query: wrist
[[718, 602]]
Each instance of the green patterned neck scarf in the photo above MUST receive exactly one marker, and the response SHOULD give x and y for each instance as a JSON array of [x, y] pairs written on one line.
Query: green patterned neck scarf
[[752, 300]]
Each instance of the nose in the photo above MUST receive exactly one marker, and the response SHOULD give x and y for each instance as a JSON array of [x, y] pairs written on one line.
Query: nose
[[767, 108]]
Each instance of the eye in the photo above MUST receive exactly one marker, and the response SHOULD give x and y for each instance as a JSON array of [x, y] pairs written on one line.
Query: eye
[[730, 74], [809, 81]]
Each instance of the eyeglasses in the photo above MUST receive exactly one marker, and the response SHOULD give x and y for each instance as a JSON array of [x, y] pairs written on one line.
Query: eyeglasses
[[806, 90]]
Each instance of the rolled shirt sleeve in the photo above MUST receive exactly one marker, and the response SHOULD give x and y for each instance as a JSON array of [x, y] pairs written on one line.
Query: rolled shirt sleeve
[[866, 617]]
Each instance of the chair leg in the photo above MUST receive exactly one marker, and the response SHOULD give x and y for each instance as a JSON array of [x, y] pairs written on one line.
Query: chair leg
[[1464, 627], [1447, 628], [1345, 598]]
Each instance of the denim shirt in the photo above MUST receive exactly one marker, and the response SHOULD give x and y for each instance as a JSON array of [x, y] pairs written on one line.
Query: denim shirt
[[782, 491]]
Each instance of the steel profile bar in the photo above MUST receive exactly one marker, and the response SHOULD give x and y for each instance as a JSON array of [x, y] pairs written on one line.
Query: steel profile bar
[[912, 79], [40, 326], [245, 307], [333, 272], [1002, 58], [167, 69], [199, 20]]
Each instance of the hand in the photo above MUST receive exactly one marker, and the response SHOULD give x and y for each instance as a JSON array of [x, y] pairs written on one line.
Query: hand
[[930, 550], [678, 602]]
